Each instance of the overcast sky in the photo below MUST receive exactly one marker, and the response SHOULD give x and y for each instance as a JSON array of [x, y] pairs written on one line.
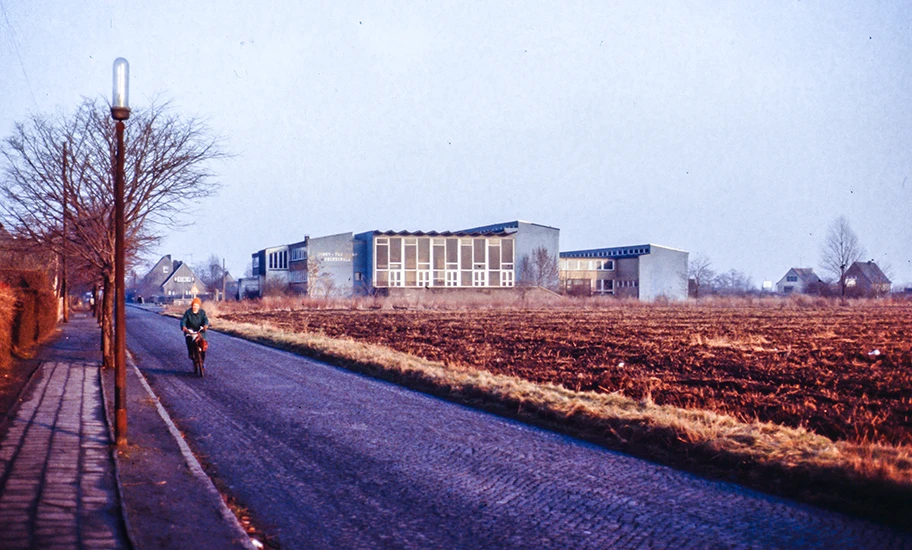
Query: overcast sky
[[734, 130]]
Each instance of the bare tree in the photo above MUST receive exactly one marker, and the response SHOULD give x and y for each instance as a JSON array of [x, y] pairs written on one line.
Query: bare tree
[[539, 269], [275, 285], [701, 273], [211, 273], [319, 281], [167, 167], [840, 250], [733, 283]]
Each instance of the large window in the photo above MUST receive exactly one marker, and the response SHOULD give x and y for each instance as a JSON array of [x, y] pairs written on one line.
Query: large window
[[443, 262], [298, 254], [604, 286], [278, 260]]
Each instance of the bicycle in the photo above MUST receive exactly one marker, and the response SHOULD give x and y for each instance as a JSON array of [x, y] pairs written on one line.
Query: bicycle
[[198, 352]]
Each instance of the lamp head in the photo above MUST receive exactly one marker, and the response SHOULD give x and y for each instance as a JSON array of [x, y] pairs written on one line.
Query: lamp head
[[120, 103]]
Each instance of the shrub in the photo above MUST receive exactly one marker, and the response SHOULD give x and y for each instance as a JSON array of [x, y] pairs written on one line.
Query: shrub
[[34, 313], [7, 312]]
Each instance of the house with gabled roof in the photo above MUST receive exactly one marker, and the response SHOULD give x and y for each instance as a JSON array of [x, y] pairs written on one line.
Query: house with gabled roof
[[799, 280], [170, 280], [866, 279]]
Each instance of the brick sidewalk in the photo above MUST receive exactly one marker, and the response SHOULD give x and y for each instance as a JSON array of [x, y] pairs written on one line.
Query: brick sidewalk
[[57, 478]]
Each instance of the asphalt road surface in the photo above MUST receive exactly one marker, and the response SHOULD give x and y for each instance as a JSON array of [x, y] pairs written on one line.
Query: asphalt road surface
[[324, 458]]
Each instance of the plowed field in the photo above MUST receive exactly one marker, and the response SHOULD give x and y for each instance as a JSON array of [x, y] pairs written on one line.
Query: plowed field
[[844, 372]]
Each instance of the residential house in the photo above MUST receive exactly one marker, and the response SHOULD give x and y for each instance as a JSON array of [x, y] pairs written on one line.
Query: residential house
[[866, 279], [799, 280], [170, 281]]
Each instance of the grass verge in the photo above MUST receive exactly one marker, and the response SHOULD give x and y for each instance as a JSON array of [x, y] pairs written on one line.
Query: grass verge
[[871, 481]]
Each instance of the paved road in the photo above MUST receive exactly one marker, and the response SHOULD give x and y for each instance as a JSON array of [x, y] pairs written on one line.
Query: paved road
[[328, 459]]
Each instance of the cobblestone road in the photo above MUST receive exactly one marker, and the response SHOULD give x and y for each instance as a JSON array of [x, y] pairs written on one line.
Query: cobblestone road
[[327, 459]]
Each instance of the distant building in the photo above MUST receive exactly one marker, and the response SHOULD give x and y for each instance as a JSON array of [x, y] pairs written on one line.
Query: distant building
[[799, 280], [488, 258], [498, 256], [390, 260], [866, 279], [270, 268], [645, 272], [316, 266], [169, 281], [248, 288], [537, 251]]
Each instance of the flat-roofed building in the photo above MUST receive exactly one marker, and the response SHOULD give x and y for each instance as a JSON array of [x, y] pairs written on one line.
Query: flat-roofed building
[[316, 266], [270, 267], [432, 259], [645, 272]]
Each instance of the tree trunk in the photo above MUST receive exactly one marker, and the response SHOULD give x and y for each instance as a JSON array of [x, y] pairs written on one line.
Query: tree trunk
[[107, 323]]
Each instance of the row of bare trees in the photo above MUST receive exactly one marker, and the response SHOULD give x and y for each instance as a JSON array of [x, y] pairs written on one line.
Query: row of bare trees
[[841, 248], [57, 172]]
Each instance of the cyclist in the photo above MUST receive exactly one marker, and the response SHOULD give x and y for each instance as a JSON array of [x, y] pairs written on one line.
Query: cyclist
[[194, 319]]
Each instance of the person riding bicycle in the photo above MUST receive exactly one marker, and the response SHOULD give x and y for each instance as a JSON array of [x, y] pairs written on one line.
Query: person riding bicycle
[[194, 319]]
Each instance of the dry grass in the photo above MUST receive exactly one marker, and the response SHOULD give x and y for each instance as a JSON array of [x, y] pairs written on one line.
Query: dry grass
[[870, 480], [530, 300]]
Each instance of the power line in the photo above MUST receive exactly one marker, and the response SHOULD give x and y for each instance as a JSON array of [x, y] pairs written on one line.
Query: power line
[[15, 44]]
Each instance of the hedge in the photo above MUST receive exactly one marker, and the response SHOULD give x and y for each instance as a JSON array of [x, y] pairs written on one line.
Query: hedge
[[7, 313], [34, 310]]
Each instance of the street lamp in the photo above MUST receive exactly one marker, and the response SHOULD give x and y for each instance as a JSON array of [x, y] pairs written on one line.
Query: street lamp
[[120, 111]]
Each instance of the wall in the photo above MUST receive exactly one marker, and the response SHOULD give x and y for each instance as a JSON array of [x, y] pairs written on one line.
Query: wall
[[331, 257], [663, 273], [530, 236], [362, 260]]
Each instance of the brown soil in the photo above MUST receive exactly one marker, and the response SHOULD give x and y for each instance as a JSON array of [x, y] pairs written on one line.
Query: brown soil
[[843, 372]]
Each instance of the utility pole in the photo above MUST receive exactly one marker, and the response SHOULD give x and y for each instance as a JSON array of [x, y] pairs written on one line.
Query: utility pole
[[224, 273], [63, 285]]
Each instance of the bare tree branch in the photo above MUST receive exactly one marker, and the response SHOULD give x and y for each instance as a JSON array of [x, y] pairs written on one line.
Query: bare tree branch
[[841, 249]]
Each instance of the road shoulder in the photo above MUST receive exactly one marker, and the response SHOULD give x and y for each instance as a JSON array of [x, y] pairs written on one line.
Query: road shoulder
[[168, 501]]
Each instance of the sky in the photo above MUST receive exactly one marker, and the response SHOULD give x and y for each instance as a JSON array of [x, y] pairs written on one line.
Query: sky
[[737, 131]]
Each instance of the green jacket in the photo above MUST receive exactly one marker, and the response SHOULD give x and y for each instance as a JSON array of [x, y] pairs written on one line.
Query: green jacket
[[195, 321]]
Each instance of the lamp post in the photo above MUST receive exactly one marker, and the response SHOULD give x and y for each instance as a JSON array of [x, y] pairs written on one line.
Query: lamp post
[[63, 286], [120, 111]]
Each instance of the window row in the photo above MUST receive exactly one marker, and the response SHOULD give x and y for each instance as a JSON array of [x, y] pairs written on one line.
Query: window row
[[443, 278], [297, 276], [588, 265], [298, 254], [428, 253]]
